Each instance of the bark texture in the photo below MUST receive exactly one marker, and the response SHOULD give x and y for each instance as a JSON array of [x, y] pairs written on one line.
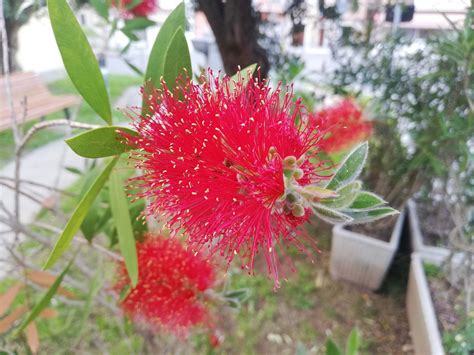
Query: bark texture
[[235, 27]]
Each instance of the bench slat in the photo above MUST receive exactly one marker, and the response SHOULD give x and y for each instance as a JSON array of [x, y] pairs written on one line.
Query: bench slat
[[39, 101]]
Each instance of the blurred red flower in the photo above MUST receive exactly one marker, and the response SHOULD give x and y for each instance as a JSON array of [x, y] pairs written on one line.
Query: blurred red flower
[[142, 9], [343, 125], [171, 286], [213, 164]]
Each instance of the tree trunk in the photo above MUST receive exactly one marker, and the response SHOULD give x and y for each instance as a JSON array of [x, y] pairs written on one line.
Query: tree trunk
[[12, 28], [235, 27]]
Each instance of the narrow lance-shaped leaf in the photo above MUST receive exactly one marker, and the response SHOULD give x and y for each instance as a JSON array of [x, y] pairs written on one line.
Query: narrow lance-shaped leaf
[[45, 279], [329, 215], [102, 8], [7, 322], [350, 168], [177, 59], [353, 342], [100, 142], [345, 196], [9, 296], [32, 337], [366, 200], [79, 59], [78, 215], [156, 61], [245, 74], [121, 215], [134, 68], [332, 348], [44, 302], [365, 216], [137, 23]]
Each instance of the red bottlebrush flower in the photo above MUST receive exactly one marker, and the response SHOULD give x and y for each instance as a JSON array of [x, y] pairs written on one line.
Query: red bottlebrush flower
[[213, 163], [142, 9], [343, 124], [170, 287]]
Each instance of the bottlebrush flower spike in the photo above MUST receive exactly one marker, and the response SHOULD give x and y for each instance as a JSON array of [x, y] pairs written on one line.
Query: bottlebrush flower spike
[[225, 165], [343, 124], [142, 9], [171, 286]]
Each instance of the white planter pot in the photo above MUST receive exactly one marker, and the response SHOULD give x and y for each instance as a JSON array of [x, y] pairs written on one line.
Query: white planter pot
[[361, 259], [421, 315], [428, 252]]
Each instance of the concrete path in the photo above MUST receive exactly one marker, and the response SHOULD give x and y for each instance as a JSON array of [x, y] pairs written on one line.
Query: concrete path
[[45, 166]]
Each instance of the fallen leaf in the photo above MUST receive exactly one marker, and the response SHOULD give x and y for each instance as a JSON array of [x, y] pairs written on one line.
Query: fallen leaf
[[7, 322], [45, 279], [32, 337], [8, 297], [49, 313]]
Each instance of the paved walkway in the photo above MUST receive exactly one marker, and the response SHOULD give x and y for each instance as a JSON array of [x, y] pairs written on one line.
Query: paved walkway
[[45, 166]]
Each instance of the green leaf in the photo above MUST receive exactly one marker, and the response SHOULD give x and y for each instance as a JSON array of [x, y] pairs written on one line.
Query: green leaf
[[365, 216], [244, 75], [350, 168], [102, 8], [156, 61], [73, 170], [43, 303], [100, 142], [78, 215], [131, 36], [137, 23], [353, 342], [78, 57], [332, 348], [134, 68], [329, 215], [240, 295], [345, 196], [90, 225], [366, 200], [133, 4], [177, 59], [121, 216]]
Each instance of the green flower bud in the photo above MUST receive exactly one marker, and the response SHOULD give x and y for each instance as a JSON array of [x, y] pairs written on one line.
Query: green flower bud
[[298, 173], [298, 210], [289, 161]]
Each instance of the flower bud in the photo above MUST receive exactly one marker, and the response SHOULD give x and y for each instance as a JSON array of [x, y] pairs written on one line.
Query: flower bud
[[291, 197], [289, 161], [298, 173], [298, 210]]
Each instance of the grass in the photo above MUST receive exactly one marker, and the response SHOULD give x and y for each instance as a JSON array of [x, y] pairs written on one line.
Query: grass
[[117, 85]]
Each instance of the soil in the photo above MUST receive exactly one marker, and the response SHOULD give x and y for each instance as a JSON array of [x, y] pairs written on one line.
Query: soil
[[447, 302], [435, 222], [380, 230], [310, 307]]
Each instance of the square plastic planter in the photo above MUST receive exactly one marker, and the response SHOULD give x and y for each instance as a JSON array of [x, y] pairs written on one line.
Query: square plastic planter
[[428, 252], [424, 330], [361, 259]]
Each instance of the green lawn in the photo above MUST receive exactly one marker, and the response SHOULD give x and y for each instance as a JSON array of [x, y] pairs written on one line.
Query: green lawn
[[117, 85]]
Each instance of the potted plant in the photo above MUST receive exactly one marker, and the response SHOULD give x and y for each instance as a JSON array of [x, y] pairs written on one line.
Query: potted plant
[[439, 297], [435, 124], [355, 257]]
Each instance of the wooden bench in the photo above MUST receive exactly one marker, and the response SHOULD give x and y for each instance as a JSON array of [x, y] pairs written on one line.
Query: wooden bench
[[29, 89]]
